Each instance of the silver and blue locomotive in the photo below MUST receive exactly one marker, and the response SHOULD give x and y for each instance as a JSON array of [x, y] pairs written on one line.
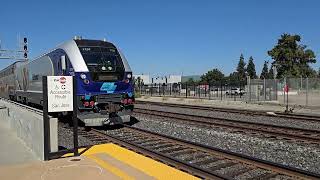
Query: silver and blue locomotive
[[104, 80]]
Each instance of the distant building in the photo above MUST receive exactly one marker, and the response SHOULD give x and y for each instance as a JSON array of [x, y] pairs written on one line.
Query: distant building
[[144, 78], [167, 79]]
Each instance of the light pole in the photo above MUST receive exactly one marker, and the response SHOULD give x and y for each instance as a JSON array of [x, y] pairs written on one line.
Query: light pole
[[274, 68]]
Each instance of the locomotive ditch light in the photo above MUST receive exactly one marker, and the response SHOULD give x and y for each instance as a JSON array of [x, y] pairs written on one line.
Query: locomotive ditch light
[[86, 81], [83, 76], [129, 76]]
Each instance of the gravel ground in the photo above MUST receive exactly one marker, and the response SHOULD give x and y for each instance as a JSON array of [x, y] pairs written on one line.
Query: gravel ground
[[284, 152], [65, 137], [241, 117], [265, 106]]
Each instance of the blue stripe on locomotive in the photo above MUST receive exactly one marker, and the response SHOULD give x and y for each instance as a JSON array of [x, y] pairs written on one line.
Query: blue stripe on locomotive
[[93, 88]]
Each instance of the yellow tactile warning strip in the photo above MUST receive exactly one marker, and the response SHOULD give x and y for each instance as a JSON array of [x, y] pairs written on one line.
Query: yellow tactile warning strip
[[131, 171], [116, 171], [134, 166]]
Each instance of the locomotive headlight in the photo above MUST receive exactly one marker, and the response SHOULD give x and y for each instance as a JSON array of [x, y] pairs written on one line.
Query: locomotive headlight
[[83, 76], [129, 76]]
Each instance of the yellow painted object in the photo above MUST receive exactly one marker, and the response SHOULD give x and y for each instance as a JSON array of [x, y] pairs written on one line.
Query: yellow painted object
[[144, 164]]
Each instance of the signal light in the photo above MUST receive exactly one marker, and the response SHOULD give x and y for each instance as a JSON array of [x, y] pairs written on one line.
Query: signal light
[[25, 47]]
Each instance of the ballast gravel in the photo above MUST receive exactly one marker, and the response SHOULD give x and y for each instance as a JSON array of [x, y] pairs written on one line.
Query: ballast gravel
[[65, 137], [288, 153], [304, 124]]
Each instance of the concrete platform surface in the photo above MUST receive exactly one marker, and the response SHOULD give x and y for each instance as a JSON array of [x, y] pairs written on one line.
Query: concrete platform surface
[[106, 161], [12, 149]]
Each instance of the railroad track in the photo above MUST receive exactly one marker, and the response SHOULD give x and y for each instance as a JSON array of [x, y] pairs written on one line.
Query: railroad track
[[269, 131], [304, 117], [200, 160]]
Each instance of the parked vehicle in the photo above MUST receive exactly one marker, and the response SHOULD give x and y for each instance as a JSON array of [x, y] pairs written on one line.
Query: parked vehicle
[[235, 91]]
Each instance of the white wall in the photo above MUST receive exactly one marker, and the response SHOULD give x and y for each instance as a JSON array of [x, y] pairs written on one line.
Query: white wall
[[174, 79], [145, 78], [28, 126], [168, 79]]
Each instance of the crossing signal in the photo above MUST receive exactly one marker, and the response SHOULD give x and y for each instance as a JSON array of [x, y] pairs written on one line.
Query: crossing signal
[[25, 47]]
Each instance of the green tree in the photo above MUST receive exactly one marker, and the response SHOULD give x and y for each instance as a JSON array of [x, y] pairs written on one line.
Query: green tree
[[290, 58], [138, 82], [265, 71], [251, 69], [213, 76], [241, 70], [270, 74], [190, 81], [233, 79]]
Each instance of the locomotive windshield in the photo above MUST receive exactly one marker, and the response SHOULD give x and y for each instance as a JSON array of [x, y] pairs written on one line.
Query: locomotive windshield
[[104, 63]]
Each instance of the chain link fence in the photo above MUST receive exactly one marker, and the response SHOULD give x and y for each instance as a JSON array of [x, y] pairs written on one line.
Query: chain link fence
[[193, 90], [301, 91]]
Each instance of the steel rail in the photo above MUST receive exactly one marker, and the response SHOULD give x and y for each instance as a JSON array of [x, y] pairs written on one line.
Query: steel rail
[[259, 163], [296, 116], [288, 132]]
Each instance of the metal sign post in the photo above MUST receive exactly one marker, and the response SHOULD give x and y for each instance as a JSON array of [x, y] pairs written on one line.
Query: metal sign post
[[286, 90], [75, 119], [59, 95], [46, 125]]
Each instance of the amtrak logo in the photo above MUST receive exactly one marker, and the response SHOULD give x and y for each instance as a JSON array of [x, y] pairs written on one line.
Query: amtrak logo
[[63, 80]]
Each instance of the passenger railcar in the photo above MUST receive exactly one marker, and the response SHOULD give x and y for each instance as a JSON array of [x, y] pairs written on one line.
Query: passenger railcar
[[104, 89]]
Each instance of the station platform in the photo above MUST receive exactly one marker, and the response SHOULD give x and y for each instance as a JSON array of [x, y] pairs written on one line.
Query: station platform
[[12, 149], [106, 161]]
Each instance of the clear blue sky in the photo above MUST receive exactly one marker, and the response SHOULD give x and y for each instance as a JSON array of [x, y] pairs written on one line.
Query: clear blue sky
[[166, 37]]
